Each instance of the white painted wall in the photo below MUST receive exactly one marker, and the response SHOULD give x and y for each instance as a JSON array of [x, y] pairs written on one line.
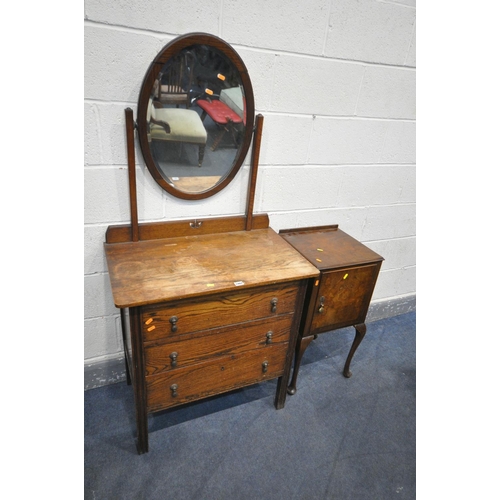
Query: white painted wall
[[335, 81]]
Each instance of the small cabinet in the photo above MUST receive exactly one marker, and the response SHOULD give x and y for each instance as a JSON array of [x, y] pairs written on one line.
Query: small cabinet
[[341, 295]]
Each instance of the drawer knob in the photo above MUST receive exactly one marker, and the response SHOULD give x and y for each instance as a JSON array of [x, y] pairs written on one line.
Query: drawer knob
[[265, 366], [321, 309], [274, 305], [173, 357], [174, 388], [269, 337], [173, 321]]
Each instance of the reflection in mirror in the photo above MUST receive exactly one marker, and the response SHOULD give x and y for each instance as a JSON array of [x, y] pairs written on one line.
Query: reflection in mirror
[[196, 118]]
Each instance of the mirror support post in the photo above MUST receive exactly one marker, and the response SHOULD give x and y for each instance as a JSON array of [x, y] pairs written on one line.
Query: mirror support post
[[129, 123], [253, 169]]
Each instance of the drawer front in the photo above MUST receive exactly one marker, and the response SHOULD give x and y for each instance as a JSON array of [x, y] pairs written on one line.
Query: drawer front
[[180, 351], [343, 297], [175, 387], [220, 310]]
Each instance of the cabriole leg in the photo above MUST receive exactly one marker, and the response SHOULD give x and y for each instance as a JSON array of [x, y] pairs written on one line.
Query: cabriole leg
[[360, 333]]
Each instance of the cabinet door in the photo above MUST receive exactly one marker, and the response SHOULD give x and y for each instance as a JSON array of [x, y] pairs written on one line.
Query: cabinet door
[[343, 297]]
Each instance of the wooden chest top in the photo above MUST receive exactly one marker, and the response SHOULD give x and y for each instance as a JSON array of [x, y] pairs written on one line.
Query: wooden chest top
[[153, 271], [329, 248]]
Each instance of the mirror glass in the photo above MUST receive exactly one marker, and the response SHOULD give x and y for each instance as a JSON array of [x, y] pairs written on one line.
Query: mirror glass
[[195, 116]]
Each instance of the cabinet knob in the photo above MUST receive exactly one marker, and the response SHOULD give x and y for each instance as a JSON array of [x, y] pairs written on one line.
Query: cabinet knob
[[173, 357], [174, 388], [173, 321], [274, 305], [269, 337], [321, 309], [265, 366]]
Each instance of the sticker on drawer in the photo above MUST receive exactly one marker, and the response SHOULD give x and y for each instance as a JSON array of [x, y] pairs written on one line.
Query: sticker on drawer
[[239, 283]]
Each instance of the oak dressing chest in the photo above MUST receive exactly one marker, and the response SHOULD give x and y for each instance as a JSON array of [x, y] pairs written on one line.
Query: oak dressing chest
[[207, 305]]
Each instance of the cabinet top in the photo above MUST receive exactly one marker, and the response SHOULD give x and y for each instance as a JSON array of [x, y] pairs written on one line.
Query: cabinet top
[[327, 247], [153, 271]]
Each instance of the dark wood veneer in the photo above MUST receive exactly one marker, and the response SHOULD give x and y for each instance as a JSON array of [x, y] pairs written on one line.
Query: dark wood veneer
[[341, 296]]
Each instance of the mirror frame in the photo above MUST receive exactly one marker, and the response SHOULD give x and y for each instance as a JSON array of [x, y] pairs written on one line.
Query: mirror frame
[[171, 49]]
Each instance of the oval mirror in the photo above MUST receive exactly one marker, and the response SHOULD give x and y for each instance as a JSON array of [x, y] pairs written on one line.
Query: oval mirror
[[195, 116]]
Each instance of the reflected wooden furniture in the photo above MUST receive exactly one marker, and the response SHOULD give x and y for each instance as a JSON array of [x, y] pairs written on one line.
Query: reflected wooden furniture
[[176, 80], [201, 314], [196, 183], [340, 297], [223, 116]]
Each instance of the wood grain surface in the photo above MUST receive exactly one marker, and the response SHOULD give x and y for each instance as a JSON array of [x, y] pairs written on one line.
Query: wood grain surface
[[217, 310], [215, 376], [328, 247], [200, 346], [148, 272], [347, 295]]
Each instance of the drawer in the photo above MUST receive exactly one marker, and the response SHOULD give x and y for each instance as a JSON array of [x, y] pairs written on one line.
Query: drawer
[[343, 297], [178, 318], [180, 351], [175, 387]]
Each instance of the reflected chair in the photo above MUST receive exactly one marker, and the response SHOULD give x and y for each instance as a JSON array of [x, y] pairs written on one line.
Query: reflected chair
[[176, 81], [176, 125]]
